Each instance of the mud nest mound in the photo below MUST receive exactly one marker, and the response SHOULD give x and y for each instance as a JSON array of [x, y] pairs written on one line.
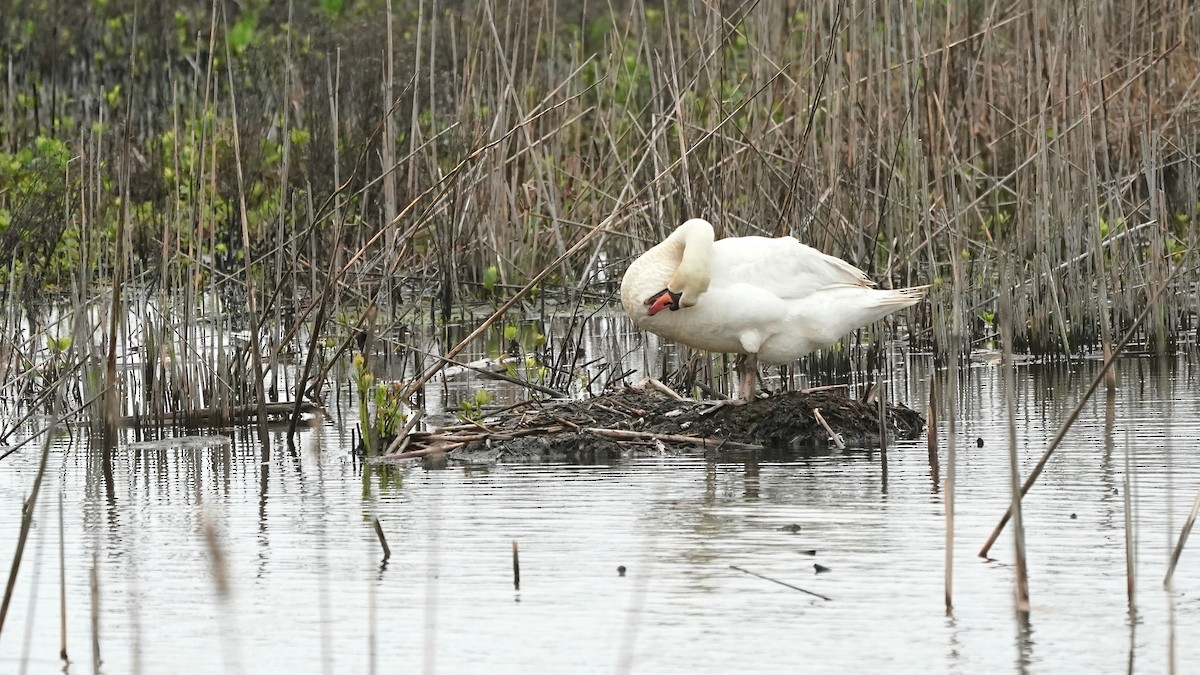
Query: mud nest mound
[[634, 421]]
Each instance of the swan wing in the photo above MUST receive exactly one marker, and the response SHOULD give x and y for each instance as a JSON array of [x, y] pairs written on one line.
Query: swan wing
[[783, 267]]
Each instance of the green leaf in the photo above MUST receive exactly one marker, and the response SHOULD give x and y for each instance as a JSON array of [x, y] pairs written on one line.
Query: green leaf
[[242, 32], [332, 7]]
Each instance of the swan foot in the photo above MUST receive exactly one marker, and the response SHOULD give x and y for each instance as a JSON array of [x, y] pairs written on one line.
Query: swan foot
[[717, 405], [747, 374]]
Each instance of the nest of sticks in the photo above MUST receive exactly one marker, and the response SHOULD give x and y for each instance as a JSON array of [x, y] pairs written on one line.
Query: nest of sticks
[[651, 419]]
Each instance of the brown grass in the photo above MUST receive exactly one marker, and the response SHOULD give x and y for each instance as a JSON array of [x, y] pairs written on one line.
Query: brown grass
[[329, 165]]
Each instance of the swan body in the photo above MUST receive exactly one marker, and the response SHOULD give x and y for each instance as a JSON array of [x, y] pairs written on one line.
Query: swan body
[[771, 300]]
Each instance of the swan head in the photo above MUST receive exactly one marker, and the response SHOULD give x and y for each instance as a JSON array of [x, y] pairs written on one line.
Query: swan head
[[692, 243]]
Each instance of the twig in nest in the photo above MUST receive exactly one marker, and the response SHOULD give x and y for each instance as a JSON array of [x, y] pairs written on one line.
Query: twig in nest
[[833, 436], [718, 443], [623, 406], [656, 384], [438, 448], [827, 387]]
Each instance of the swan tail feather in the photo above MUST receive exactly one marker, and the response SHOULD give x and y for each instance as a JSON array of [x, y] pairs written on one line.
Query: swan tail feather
[[900, 297]]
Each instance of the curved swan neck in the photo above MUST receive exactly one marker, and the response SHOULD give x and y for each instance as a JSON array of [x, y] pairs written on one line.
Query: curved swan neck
[[692, 275]]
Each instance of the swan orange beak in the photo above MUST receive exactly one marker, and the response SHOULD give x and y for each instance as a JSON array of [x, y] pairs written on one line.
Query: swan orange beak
[[664, 299]]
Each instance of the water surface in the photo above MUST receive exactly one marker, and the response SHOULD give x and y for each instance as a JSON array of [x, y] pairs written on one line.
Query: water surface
[[307, 591]]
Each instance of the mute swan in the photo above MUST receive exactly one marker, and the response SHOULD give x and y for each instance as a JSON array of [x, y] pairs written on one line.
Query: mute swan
[[769, 300]]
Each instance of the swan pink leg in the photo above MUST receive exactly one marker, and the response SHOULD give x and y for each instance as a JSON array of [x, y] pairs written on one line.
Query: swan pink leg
[[747, 370]]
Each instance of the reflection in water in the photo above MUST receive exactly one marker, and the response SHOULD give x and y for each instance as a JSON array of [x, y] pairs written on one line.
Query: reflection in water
[[308, 592], [1024, 642]]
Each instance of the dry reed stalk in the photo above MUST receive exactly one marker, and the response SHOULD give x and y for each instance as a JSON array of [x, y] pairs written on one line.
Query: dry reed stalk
[[387, 551], [94, 594], [931, 433], [387, 146], [881, 410], [943, 140], [62, 584], [1177, 552], [954, 356], [264, 439], [781, 583], [112, 405], [516, 567], [1127, 508], [403, 438], [1010, 396], [837, 438]]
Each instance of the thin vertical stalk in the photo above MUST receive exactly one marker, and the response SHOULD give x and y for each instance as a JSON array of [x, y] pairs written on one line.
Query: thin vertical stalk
[[1010, 399], [62, 583], [388, 142], [251, 302], [284, 199], [94, 588], [1130, 541], [932, 433]]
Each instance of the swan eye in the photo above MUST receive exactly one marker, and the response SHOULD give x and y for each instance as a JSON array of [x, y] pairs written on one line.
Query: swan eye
[[664, 299]]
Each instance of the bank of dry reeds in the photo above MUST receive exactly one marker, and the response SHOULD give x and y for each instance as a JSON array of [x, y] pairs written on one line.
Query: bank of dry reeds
[[331, 161]]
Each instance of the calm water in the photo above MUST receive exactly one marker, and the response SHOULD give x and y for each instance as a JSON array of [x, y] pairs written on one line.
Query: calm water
[[307, 592]]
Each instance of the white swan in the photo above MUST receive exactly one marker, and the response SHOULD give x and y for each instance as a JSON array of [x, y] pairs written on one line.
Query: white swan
[[770, 300]]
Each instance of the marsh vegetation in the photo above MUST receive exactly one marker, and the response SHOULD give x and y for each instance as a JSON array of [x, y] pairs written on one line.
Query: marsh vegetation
[[219, 212], [298, 171]]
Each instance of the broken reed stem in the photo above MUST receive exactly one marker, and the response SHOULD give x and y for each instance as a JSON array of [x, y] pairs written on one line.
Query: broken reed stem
[[1183, 537], [412, 422], [1070, 420], [387, 551], [658, 384], [516, 566], [834, 436], [781, 583]]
